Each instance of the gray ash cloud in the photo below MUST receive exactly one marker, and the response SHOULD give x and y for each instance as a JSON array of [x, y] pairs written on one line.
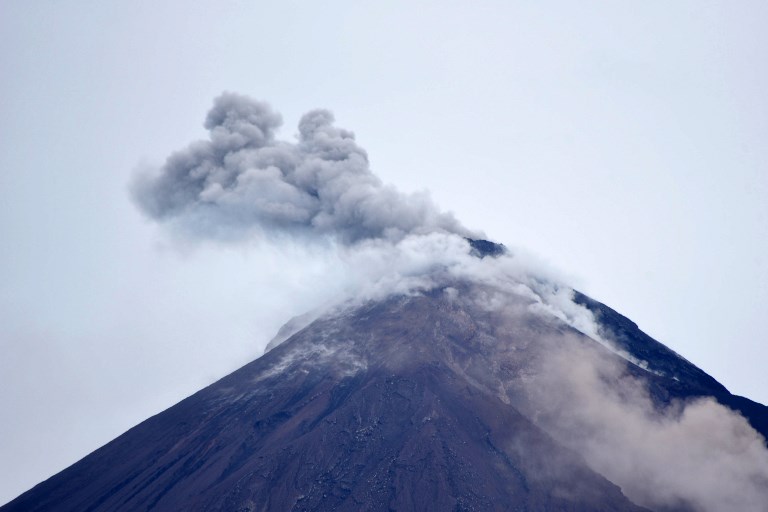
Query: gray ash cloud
[[244, 180]]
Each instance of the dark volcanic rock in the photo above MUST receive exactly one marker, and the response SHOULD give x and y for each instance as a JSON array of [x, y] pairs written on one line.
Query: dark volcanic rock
[[375, 408], [483, 248], [412, 403]]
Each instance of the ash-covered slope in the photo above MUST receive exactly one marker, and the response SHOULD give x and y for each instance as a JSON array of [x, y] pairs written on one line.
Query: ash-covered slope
[[377, 407], [445, 399]]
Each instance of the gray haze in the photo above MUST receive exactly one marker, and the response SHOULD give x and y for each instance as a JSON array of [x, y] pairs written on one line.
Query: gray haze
[[698, 454], [242, 178], [623, 142], [695, 453]]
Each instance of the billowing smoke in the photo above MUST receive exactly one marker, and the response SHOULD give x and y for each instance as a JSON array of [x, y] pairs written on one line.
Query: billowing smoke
[[697, 455], [243, 180]]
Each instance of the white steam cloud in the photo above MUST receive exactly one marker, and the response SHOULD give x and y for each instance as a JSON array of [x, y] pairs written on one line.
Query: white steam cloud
[[243, 180]]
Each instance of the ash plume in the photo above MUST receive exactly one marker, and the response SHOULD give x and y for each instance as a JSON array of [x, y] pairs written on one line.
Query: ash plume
[[691, 455], [243, 180]]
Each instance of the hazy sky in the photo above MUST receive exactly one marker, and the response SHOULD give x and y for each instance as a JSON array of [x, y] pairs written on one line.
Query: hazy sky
[[624, 143]]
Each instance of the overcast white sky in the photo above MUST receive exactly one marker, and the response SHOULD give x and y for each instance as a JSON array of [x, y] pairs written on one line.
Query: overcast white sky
[[623, 142]]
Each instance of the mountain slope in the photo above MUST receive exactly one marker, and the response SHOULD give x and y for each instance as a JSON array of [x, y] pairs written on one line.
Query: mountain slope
[[438, 400], [374, 408], [679, 378]]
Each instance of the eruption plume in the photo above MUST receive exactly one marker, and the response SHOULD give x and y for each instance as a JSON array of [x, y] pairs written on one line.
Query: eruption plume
[[243, 180], [624, 407]]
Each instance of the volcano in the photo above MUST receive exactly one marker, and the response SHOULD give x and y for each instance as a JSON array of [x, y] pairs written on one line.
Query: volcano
[[455, 396]]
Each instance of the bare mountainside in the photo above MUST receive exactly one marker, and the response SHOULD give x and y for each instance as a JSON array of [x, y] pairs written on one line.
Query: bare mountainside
[[460, 397]]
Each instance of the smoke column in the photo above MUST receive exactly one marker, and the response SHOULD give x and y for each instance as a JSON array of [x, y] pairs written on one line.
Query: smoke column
[[242, 180]]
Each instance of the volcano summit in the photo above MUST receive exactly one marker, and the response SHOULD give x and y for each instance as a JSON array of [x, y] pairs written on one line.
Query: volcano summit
[[463, 396], [456, 377]]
